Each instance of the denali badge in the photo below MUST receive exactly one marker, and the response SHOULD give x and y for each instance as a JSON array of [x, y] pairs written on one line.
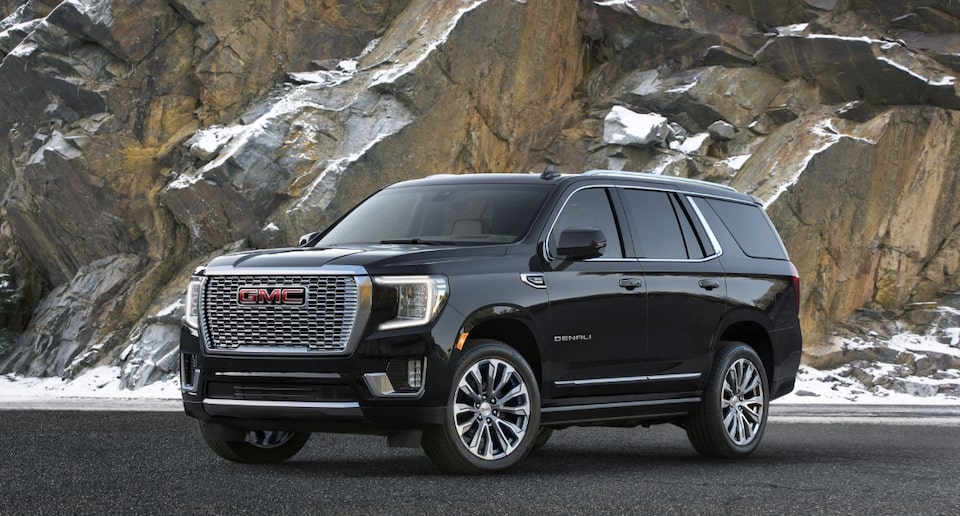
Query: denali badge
[[572, 338], [272, 295]]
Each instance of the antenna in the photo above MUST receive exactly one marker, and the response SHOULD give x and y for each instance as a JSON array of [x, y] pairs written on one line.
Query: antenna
[[549, 173]]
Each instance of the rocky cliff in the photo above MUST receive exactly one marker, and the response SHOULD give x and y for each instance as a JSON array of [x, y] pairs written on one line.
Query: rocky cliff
[[142, 136]]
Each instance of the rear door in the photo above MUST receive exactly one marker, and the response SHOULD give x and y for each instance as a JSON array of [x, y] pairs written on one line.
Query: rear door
[[686, 287]]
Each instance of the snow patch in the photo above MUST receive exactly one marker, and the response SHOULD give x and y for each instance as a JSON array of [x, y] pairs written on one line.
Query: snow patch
[[830, 136], [100, 382], [171, 309], [944, 80], [735, 162], [391, 74]]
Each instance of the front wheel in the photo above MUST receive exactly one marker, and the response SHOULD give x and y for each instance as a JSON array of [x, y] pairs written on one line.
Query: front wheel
[[733, 414], [492, 413], [260, 446]]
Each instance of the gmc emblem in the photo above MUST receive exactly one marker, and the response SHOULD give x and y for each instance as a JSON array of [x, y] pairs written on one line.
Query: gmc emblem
[[272, 295]]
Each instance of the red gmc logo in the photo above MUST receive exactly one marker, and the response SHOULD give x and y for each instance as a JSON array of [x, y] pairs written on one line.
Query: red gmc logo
[[272, 295]]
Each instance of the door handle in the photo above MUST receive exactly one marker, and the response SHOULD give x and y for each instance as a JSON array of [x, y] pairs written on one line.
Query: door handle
[[631, 283], [709, 284]]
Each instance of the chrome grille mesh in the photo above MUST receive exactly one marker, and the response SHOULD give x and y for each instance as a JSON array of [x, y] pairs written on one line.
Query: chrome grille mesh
[[323, 323]]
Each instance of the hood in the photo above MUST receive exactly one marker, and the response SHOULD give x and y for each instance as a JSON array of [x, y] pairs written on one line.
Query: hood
[[392, 258]]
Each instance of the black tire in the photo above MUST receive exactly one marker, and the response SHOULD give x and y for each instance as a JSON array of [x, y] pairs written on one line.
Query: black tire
[[543, 435], [730, 420], [260, 447], [485, 431]]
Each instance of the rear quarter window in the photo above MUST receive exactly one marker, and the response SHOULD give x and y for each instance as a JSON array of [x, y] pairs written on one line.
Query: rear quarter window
[[750, 227]]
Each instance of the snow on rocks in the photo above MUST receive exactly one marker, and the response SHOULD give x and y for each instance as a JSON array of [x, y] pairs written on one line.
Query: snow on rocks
[[624, 127], [920, 363]]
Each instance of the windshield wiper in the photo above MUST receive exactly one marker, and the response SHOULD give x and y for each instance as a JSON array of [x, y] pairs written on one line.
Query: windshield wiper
[[416, 241]]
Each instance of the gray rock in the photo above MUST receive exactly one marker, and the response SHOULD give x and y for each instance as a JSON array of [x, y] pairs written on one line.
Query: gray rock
[[69, 329], [721, 131]]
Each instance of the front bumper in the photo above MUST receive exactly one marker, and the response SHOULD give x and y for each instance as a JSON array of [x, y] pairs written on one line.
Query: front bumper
[[311, 394]]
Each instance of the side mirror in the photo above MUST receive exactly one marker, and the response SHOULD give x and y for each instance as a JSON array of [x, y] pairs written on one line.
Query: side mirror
[[305, 239], [581, 243]]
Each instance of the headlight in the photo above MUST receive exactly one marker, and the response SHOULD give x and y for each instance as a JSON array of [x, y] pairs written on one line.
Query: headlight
[[191, 314], [419, 299]]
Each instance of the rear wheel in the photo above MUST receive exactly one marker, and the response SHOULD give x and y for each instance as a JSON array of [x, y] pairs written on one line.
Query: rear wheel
[[730, 420], [492, 412], [260, 446]]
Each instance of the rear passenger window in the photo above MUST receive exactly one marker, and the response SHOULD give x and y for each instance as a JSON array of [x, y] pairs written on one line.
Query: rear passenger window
[[655, 225], [750, 227]]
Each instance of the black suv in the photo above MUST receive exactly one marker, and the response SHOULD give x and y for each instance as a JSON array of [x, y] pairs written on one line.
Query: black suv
[[474, 315]]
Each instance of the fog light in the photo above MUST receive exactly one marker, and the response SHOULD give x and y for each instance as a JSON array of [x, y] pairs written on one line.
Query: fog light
[[415, 374]]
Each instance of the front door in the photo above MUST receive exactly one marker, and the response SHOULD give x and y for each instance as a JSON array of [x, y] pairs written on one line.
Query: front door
[[597, 306]]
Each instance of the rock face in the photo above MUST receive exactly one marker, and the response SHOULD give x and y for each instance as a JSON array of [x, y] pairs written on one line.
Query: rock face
[[142, 136]]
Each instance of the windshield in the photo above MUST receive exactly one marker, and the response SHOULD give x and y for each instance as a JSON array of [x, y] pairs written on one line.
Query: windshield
[[442, 215]]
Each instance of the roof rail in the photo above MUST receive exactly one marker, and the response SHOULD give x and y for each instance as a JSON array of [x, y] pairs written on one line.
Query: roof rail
[[657, 177]]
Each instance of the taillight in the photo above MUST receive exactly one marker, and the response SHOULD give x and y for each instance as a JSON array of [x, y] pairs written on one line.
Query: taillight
[[796, 285]]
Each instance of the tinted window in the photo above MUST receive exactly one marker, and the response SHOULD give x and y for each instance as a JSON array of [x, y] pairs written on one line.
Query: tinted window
[[589, 208], [750, 228], [654, 225], [695, 247], [448, 214]]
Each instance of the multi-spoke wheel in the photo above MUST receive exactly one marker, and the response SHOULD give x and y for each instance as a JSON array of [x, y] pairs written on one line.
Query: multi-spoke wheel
[[730, 420], [260, 446], [492, 414]]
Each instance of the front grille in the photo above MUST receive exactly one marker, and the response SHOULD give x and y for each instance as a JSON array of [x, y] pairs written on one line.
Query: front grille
[[324, 322]]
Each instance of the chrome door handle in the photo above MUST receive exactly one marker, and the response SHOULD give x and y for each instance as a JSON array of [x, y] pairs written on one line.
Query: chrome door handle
[[631, 283], [709, 284]]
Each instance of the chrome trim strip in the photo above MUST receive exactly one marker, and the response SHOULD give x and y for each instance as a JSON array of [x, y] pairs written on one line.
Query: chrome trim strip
[[621, 404], [271, 374], [626, 379], [678, 376], [329, 405], [340, 270], [381, 386], [267, 409]]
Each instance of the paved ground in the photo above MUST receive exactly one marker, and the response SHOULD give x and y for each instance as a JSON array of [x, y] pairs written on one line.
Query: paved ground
[[150, 462]]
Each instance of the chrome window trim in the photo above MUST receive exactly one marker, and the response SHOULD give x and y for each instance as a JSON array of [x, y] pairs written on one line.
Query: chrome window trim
[[627, 379], [717, 249], [553, 225]]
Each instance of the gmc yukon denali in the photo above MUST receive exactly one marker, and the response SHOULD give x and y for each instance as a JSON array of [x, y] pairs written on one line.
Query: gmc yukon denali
[[474, 315]]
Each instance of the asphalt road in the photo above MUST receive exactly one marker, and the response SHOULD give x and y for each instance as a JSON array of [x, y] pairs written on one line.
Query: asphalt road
[[60, 462]]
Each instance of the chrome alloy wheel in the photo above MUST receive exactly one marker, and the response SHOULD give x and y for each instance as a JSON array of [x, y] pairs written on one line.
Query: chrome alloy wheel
[[742, 403], [491, 409]]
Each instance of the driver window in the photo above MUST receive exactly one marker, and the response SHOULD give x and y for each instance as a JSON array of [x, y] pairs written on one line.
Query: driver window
[[589, 208]]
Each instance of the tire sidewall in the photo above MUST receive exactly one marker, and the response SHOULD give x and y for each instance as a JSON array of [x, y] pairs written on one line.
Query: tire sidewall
[[485, 349]]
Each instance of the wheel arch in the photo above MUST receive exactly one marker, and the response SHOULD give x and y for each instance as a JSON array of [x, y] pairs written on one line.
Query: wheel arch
[[755, 335], [510, 325]]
